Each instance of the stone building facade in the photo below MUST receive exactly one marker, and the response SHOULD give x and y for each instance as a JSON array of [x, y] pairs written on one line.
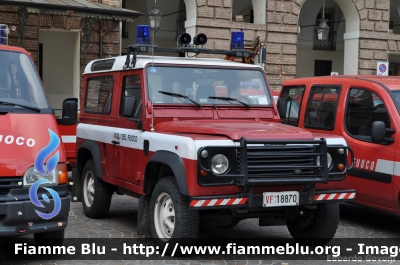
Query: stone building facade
[[366, 38], [367, 22]]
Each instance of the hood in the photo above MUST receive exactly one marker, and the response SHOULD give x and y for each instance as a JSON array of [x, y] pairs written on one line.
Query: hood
[[22, 136], [235, 129]]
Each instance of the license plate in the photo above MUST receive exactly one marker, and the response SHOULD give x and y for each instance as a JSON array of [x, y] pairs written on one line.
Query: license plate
[[286, 198]]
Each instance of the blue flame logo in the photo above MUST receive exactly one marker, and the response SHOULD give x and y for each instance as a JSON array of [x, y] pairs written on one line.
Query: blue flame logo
[[45, 169], [45, 152], [35, 200]]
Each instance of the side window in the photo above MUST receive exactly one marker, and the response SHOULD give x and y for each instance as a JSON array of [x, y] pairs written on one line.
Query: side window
[[99, 95], [321, 107], [131, 87], [362, 109], [293, 96]]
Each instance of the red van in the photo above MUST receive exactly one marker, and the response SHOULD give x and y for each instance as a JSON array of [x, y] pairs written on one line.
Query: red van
[[34, 194], [365, 111]]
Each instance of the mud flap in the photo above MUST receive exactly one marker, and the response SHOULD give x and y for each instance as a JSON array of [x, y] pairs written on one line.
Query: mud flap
[[76, 186], [143, 218]]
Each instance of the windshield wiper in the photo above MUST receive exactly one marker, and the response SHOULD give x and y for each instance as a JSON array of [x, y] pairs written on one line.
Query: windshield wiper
[[19, 105], [231, 99], [180, 96]]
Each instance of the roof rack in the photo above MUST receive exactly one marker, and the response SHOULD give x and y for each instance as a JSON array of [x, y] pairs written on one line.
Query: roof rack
[[246, 55]]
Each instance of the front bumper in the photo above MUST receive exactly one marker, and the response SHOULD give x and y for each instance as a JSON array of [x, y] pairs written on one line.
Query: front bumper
[[18, 215], [256, 200]]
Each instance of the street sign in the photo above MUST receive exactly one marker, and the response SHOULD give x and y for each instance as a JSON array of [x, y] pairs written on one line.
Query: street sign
[[382, 68]]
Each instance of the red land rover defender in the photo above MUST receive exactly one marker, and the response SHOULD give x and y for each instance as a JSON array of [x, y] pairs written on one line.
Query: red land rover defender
[[29, 140], [197, 139], [365, 111]]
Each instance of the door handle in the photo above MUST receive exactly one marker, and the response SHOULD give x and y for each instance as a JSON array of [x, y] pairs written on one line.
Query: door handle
[[115, 142]]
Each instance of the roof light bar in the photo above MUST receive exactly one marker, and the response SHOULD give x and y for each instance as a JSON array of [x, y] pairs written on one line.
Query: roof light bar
[[237, 50]]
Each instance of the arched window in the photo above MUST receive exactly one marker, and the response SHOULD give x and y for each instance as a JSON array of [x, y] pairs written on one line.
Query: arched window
[[394, 22], [249, 11]]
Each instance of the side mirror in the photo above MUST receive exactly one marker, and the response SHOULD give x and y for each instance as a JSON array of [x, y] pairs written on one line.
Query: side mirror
[[69, 112], [378, 132], [282, 106], [129, 106]]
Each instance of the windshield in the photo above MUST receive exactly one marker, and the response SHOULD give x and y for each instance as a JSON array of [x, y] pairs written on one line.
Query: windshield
[[396, 94], [198, 84], [19, 82]]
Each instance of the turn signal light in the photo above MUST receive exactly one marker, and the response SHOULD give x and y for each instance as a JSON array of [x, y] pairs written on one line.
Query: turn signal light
[[62, 173], [203, 173], [340, 167]]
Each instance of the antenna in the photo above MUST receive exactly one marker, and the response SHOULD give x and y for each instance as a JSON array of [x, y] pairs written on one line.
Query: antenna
[[152, 65]]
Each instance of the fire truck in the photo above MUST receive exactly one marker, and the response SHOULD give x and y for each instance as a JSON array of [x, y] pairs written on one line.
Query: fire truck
[[34, 194], [199, 139], [365, 111]]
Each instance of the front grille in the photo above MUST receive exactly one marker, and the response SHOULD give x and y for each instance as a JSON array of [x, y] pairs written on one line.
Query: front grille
[[9, 183], [280, 160]]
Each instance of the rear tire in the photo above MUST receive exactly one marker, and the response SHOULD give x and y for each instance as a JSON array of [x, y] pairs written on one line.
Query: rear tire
[[96, 194], [50, 238], [171, 220], [316, 226]]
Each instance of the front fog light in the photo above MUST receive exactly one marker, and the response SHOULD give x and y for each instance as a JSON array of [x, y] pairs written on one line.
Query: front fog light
[[329, 160], [219, 164], [31, 176]]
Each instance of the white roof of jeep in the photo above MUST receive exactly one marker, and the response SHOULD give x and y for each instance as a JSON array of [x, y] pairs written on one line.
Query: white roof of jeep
[[143, 60]]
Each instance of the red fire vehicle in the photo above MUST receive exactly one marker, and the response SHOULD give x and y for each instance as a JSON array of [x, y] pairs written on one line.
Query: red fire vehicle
[[198, 139], [365, 111], [30, 152], [68, 138]]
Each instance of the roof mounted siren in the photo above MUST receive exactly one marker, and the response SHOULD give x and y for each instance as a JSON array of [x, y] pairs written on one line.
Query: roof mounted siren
[[4, 31], [200, 39], [184, 39]]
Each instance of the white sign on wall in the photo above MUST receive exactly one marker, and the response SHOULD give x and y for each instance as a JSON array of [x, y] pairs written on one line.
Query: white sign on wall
[[382, 68]]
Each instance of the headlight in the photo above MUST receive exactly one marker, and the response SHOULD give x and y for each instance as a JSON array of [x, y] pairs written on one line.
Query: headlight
[[31, 175], [329, 161], [219, 164]]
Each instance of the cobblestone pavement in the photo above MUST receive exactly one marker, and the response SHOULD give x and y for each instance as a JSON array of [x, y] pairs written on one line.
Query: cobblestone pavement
[[356, 222]]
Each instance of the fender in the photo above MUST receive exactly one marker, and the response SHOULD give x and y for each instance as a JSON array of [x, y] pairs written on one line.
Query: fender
[[174, 162], [94, 149]]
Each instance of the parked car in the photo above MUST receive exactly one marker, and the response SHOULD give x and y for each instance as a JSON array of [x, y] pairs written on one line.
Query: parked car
[[365, 111]]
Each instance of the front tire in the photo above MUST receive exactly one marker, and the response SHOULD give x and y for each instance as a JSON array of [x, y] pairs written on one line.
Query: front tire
[[170, 216], [316, 226], [50, 238], [96, 194]]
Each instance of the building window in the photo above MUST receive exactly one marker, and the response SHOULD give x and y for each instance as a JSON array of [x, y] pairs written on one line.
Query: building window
[[125, 31], [330, 43], [322, 67], [242, 11], [394, 21]]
